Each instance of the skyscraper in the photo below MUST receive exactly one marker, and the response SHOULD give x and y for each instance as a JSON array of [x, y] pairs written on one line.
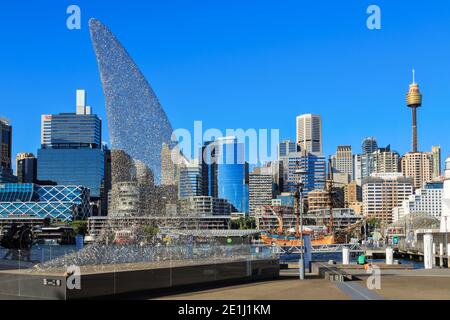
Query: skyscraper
[[71, 149], [26, 164], [226, 176], [190, 184], [357, 169], [6, 174], [352, 193], [419, 166], [286, 147], [342, 162], [314, 167], [380, 160], [386, 161], [171, 163], [383, 192], [436, 151], [260, 191], [309, 133], [369, 145]]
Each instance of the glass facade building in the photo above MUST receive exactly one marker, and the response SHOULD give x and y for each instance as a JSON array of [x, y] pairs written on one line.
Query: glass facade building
[[226, 172], [71, 151], [314, 168], [6, 174], [190, 181], [26, 168], [67, 130], [64, 203], [286, 147], [83, 167], [369, 145]]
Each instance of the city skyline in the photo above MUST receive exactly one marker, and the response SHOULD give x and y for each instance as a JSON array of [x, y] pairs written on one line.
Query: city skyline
[[389, 121]]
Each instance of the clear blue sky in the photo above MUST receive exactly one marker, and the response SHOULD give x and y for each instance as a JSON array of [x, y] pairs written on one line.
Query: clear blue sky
[[240, 64]]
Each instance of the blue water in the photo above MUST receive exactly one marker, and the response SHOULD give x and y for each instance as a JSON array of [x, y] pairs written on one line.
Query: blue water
[[325, 257], [39, 254]]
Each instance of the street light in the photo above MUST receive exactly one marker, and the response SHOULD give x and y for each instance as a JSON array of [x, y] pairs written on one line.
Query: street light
[[446, 241], [299, 197]]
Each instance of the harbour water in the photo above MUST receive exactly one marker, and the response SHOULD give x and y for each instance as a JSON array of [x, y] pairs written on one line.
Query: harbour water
[[325, 257], [45, 253]]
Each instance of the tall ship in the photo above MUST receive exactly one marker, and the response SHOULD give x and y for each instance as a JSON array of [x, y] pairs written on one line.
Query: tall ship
[[293, 237]]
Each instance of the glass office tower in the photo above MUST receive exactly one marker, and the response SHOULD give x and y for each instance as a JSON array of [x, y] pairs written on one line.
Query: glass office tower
[[190, 181], [26, 168], [6, 174], [71, 151], [314, 170], [226, 172]]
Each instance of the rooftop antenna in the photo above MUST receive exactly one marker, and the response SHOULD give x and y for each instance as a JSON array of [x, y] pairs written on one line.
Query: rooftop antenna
[[414, 76]]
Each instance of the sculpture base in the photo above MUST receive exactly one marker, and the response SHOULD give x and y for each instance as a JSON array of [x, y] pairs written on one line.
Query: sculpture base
[[116, 280]]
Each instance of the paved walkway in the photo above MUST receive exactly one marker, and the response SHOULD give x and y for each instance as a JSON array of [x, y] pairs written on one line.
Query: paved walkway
[[395, 285], [358, 292], [286, 288]]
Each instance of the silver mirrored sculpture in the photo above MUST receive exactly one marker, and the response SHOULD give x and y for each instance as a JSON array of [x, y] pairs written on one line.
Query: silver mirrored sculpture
[[137, 123]]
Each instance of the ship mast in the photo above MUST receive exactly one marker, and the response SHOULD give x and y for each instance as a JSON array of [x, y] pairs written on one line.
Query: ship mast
[[330, 195], [297, 207]]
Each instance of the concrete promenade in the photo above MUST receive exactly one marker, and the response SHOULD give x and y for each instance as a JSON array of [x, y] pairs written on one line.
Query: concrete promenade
[[395, 285]]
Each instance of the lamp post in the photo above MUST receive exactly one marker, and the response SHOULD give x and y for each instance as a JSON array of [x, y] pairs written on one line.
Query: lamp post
[[299, 197], [446, 241]]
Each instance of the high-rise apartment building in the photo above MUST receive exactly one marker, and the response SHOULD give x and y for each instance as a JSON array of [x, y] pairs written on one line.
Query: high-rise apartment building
[[172, 161], [383, 192], [357, 169], [352, 193], [204, 206], [342, 162], [309, 134], [318, 199], [419, 166], [71, 150], [382, 160], [260, 191], [386, 161]]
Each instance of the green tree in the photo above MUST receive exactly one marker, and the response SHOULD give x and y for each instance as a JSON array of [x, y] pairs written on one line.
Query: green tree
[[150, 231], [79, 226], [244, 223]]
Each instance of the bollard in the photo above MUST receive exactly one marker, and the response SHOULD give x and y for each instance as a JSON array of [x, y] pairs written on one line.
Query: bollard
[[345, 256], [434, 254], [441, 255], [448, 255], [389, 256], [301, 269], [428, 251]]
